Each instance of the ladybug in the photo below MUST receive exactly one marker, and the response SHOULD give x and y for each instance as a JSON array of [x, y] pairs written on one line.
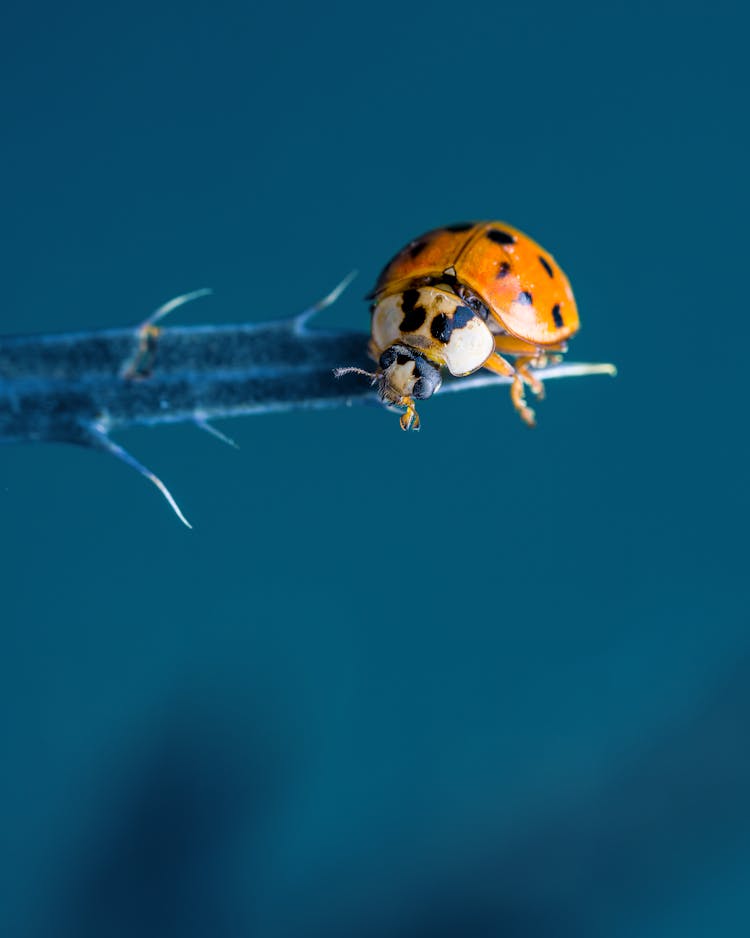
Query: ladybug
[[462, 297]]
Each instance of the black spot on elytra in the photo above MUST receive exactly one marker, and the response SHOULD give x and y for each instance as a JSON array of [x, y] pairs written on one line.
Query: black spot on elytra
[[557, 315], [546, 264], [501, 237], [525, 298], [414, 316], [460, 226], [442, 326], [503, 270], [416, 248]]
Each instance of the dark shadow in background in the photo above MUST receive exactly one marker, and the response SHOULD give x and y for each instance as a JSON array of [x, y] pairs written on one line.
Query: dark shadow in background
[[576, 866], [160, 860], [629, 845]]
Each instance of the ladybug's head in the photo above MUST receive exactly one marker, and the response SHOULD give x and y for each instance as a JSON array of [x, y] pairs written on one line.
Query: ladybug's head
[[405, 372]]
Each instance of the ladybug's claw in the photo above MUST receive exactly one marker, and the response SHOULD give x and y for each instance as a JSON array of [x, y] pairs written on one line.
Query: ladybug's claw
[[519, 402], [410, 418]]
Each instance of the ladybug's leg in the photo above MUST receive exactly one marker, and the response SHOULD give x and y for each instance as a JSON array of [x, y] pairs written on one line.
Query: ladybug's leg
[[510, 345], [410, 419], [529, 355], [522, 367], [501, 366]]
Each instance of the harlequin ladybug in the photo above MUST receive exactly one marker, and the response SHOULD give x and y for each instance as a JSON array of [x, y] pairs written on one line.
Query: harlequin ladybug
[[460, 297]]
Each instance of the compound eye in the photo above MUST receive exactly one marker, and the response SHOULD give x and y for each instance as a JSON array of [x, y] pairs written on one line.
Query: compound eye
[[421, 390], [429, 379], [427, 385]]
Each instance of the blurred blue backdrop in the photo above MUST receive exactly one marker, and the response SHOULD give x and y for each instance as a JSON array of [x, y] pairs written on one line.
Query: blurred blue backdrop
[[360, 698]]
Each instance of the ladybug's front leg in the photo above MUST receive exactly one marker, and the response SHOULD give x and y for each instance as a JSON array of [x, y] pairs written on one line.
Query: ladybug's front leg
[[410, 419]]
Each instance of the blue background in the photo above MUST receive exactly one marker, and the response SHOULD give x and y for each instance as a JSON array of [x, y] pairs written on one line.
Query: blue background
[[475, 681]]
